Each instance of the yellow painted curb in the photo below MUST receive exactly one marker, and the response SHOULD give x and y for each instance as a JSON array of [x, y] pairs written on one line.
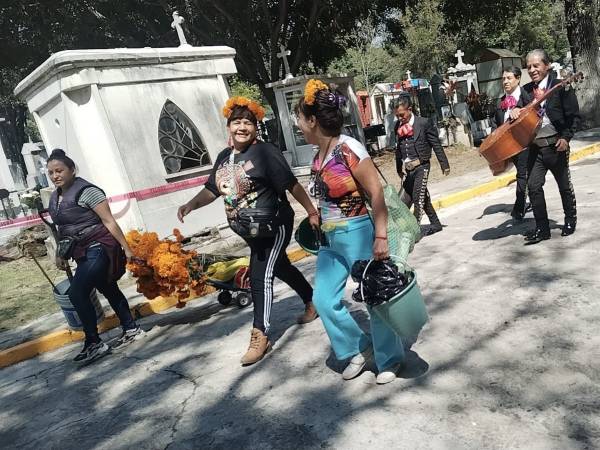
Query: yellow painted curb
[[60, 338]]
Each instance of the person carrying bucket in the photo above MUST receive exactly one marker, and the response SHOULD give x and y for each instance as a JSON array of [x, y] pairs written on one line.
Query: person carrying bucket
[[340, 170], [89, 234]]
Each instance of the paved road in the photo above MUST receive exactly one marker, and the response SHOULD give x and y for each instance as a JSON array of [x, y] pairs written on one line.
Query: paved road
[[510, 359]]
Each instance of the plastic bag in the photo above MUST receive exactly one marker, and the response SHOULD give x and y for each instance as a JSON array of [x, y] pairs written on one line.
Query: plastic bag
[[403, 228], [378, 281]]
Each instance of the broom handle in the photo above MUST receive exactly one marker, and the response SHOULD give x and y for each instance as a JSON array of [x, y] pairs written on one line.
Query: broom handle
[[43, 271], [69, 273]]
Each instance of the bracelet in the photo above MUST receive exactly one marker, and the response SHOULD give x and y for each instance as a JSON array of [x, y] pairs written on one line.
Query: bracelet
[[381, 237], [315, 213]]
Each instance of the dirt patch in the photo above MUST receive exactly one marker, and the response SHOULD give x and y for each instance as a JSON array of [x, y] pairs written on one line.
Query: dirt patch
[[25, 294], [462, 160]]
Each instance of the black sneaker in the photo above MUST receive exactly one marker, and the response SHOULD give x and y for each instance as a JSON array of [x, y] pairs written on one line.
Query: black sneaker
[[92, 352], [128, 337], [82, 354]]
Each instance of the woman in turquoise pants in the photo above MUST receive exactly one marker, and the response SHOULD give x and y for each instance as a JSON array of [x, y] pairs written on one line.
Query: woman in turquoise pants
[[340, 170]]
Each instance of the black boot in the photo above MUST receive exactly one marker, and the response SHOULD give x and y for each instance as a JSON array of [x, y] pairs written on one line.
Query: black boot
[[569, 226], [537, 236]]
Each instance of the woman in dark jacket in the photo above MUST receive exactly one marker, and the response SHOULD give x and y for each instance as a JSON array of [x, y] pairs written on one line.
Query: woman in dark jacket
[[253, 177], [509, 108], [89, 234]]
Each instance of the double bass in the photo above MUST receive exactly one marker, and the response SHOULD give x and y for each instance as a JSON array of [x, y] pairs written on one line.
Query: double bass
[[513, 136]]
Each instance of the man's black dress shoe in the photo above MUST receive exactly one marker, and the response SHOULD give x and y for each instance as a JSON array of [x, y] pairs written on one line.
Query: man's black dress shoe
[[433, 229], [537, 236], [569, 227]]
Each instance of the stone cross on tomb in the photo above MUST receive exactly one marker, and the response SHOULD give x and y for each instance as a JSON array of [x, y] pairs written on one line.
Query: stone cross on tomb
[[459, 54], [176, 24], [283, 54], [557, 67], [408, 72]]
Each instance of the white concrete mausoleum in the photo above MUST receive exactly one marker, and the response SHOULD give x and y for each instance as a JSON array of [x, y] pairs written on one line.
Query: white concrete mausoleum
[[143, 124]]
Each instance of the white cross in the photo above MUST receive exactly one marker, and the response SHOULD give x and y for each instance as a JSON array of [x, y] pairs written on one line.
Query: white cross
[[286, 65], [176, 24], [557, 68], [408, 72], [459, 54]]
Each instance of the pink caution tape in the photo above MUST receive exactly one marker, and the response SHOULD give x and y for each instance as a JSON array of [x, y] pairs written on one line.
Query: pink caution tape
[[141, 195]]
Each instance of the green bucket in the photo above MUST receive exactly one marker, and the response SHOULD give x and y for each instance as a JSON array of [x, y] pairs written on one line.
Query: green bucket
[[307, 238], [405, 313]]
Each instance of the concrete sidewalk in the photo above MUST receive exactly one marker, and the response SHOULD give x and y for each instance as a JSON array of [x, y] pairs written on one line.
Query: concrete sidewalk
[[509, 359]]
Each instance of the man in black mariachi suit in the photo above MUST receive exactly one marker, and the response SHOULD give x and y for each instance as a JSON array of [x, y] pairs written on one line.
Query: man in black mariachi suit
[[550, 148], [512, 101], [416, 138]]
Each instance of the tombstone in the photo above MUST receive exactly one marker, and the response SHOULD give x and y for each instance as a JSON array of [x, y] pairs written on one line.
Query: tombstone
[[6, 179], [439, 99], [492, 62], [382, 98], [35, 157], [145, 124], [288, 91], [465, 75]]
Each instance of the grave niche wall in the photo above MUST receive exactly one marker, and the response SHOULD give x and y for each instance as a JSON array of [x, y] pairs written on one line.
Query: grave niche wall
[[104, 106]]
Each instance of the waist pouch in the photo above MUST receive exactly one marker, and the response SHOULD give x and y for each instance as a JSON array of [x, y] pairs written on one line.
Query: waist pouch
[[66, 244], [256, 222], [65, 247]]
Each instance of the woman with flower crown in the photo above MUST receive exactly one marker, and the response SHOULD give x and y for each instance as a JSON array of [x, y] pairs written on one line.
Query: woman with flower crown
[[253, 177], [341, 170]]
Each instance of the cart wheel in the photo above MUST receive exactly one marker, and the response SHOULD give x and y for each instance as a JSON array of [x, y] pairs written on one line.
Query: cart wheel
[[224, 298], [243, 300]]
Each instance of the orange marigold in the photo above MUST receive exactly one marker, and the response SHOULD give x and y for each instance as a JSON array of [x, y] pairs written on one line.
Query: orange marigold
[[254, 107], [163, 267], [310, 90]]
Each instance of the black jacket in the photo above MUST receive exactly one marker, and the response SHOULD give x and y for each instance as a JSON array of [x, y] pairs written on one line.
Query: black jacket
[[524, 100], [426, 138], [561, 108]]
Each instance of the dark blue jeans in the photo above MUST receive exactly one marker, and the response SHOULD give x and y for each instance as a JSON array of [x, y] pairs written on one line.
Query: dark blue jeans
[[92, 272]]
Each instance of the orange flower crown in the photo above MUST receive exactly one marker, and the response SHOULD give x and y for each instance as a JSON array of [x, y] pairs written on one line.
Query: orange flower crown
[[255, 108], [311, 89]]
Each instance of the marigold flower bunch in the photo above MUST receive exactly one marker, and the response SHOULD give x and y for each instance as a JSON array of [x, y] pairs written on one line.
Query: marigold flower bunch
[[311, 89], [163, 268], [255, 108]]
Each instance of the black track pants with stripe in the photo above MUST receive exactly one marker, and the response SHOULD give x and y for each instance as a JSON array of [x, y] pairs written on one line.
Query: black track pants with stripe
[[268, 259]]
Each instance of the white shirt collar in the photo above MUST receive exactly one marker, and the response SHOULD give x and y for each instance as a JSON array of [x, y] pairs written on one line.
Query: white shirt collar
[[544, 83], [516, 93]]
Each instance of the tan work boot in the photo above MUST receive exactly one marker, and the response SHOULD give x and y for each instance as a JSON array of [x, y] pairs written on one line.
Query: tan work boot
[[259, 346], [309, 314]]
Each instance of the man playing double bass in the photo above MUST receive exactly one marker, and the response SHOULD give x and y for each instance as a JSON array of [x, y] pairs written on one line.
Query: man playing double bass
[[512, 101], [550, 148]]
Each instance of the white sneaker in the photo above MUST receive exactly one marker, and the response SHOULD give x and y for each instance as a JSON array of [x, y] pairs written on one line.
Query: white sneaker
[[357, 364], [388, 375]]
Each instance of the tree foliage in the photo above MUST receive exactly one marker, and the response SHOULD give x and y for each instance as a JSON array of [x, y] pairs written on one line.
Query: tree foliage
[[369, 66], [426, 46]]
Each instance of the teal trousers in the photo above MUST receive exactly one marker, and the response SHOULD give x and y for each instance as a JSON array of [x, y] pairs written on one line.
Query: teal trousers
[[350, 242]]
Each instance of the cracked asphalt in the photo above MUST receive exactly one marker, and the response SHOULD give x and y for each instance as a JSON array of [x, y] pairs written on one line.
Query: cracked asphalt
[[509, 359]]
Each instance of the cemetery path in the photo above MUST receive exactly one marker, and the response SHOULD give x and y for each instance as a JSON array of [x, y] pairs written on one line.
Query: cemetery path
[[508, 360]]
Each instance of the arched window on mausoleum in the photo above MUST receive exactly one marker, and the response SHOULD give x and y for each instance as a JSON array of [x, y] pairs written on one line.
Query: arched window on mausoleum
[[181, 146]]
